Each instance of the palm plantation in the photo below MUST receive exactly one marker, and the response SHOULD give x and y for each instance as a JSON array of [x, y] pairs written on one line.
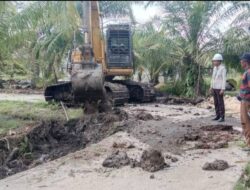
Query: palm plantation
[[106, 118], [180, 42]]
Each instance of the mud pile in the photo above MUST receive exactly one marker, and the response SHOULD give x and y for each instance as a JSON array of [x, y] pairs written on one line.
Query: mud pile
[[144, 116], [211, 136], [151, 160], [116, 160], [52, 139], [216, 165]]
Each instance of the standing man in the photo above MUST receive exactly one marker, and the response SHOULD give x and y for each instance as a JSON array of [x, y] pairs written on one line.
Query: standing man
[[218, 85], [244, 97]]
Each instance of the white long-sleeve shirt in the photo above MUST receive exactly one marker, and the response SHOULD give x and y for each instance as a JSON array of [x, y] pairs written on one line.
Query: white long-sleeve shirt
[[219, 77]]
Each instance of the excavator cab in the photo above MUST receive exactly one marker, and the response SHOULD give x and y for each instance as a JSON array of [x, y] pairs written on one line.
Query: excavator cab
[[119, 46]]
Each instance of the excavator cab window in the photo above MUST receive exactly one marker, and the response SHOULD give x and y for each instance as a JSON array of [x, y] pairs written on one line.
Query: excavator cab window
[[119, 46]]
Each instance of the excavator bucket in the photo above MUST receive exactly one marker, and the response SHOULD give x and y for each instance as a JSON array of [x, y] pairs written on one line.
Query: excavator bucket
[[87, 82]]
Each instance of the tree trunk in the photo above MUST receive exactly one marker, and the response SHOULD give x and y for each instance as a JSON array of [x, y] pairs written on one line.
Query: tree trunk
[[198, 89], [34, 76]]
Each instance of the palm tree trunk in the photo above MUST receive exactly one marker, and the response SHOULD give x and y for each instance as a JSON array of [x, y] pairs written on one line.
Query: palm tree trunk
[[198, 81]]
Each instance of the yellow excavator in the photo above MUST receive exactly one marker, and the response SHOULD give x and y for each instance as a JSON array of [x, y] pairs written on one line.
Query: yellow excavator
[[94, 65]]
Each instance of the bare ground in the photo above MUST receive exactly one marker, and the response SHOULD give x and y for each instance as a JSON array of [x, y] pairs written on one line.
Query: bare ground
[[182, 132]]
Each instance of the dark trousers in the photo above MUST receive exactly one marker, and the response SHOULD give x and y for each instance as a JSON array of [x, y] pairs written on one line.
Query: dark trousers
[[219, 103]]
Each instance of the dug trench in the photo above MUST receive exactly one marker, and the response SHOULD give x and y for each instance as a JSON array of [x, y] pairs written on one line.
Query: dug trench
[[50, 140]]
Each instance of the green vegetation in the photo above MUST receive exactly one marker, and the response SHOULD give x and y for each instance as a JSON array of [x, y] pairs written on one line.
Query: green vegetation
[[15, 114], [244, 181], [180, 44]]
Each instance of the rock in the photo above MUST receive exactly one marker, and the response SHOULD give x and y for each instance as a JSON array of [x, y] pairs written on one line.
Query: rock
[[131, 146], [156, 106], [216, 165], [119, 145], [116, 160], [196, 114], [152, 176], [174, 159], [152, 160]]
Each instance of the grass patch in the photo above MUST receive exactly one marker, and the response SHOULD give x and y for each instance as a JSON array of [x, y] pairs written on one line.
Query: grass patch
[[232, 93], [7, 123], [36, 111], [241, 143], [14, 114], [244, 181]]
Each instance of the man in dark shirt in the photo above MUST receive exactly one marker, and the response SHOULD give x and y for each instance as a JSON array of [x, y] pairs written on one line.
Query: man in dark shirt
[[244, 97]]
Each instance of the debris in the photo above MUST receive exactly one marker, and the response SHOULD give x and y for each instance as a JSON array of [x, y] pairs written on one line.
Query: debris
[[116, 160], [216, 165], [152, 160], [65, 112]]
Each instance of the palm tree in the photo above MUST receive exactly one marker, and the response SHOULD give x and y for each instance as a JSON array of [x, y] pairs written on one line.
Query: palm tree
[[236, 40], [195, 27], [48, 27], [151, 50]]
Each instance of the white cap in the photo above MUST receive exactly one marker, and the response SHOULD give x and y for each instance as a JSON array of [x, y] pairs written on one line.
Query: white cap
[[217, 57]]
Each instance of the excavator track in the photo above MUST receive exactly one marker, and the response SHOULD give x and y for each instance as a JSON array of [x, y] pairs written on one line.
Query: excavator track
[[138, 92], [118, 92]]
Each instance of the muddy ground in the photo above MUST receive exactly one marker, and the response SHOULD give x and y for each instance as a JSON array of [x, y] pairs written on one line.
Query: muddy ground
[[53, 139], [182, 133]]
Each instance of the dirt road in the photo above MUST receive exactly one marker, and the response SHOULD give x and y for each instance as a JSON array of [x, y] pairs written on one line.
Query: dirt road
[[166, 129], [22, 97]]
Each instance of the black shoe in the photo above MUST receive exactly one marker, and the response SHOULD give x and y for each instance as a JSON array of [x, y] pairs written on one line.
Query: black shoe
[[216, 118], [221, 119]]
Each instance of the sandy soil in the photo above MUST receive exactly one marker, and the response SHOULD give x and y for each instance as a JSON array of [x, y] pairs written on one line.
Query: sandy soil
[[83, 169]]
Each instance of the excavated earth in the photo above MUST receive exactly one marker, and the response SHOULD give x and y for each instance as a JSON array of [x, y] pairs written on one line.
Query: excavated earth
[[50, 140], [53, 139]]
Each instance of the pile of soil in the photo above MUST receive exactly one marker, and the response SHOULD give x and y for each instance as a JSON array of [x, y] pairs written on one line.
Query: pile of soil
[[52, 139], [144, 116], [211, 136], [151, 160], [216, 165], [116, 160]]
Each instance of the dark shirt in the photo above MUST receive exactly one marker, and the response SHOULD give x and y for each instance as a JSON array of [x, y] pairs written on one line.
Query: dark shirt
[[245, 86]]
